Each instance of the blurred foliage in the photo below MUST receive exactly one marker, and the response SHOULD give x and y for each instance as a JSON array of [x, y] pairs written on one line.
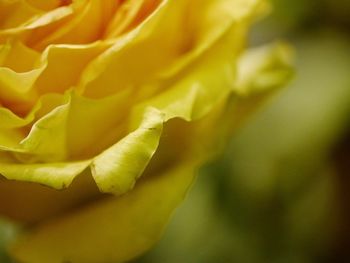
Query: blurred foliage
[[7, 233], [301, 15]]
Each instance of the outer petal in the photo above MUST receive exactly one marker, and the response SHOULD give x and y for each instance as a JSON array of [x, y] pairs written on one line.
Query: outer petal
[[122, 228], [260, 71], [32, 202], [55, 175], [263, 68], [116, 169]]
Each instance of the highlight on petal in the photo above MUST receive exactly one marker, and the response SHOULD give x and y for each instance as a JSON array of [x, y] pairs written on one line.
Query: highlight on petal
[[117, 169]]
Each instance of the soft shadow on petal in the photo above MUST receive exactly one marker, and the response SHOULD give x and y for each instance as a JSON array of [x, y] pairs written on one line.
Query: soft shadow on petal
[[30, 203], [121, 227]]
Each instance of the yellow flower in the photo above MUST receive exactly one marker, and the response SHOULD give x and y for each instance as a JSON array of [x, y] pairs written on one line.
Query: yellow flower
[[94, 94]]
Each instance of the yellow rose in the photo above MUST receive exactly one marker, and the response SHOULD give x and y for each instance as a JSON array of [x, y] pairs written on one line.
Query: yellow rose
[[94, 94]]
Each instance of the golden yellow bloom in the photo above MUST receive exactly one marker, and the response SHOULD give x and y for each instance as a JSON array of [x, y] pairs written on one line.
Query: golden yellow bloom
[[94, 94]]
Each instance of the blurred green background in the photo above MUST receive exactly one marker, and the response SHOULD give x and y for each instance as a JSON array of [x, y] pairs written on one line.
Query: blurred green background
[[279, 194]]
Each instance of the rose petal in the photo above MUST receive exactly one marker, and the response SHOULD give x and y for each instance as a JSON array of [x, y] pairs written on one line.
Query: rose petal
[[121, 227], [117, 169], [263, 68], [55, 175], [38, 25], [75, 31], [14, 13], [33, 202]]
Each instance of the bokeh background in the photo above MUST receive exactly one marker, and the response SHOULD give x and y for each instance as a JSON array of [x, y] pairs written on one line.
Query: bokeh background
[[280, 192]]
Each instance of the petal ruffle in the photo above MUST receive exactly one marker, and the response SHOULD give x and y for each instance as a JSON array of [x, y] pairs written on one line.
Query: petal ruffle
[[190, 99]]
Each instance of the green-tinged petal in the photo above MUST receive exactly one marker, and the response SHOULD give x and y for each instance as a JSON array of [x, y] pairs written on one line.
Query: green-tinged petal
[[122, 227], [55, 175], [117, 168], [264, 68], [260, 71]]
